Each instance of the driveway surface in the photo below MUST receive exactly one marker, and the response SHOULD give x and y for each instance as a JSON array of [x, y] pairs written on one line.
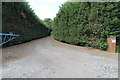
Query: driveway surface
[[48, 58]]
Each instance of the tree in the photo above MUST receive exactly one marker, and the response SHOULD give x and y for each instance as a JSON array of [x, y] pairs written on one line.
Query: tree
[[48, 22]]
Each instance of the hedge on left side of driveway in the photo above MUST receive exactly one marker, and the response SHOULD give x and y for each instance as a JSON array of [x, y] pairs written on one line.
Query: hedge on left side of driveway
[[19, 18]]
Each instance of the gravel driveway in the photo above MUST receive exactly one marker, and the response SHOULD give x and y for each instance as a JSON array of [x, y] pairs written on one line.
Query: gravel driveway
[[48, 58]]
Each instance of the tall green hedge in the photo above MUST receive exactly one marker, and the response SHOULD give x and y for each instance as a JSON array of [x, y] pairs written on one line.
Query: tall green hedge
[[19, 18], [87, 23], [118, 45]]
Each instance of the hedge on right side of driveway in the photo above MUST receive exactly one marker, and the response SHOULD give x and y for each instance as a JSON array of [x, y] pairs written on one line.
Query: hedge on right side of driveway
[[87, 23]]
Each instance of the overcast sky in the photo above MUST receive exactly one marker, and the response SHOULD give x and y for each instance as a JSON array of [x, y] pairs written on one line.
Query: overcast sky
[[45, 8]]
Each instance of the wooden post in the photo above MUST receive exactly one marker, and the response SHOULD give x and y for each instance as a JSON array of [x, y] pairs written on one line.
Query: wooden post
[[111, 40]]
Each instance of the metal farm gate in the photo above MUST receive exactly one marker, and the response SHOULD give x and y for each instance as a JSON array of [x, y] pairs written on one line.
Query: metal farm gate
[[4, 38]]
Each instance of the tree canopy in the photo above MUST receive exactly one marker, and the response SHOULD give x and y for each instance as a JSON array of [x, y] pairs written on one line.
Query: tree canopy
[[48, 22]]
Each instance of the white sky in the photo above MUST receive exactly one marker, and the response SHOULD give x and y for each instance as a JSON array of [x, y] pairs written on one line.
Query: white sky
[[45, 8]]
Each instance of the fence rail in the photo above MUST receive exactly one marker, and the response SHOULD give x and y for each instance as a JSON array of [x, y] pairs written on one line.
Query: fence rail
[[4, 38]]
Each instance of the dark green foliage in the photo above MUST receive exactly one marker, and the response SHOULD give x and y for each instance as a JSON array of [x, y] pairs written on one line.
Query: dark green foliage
[[87, 24], [19, 18], [118, 48], [118, 45], [48, 22]]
